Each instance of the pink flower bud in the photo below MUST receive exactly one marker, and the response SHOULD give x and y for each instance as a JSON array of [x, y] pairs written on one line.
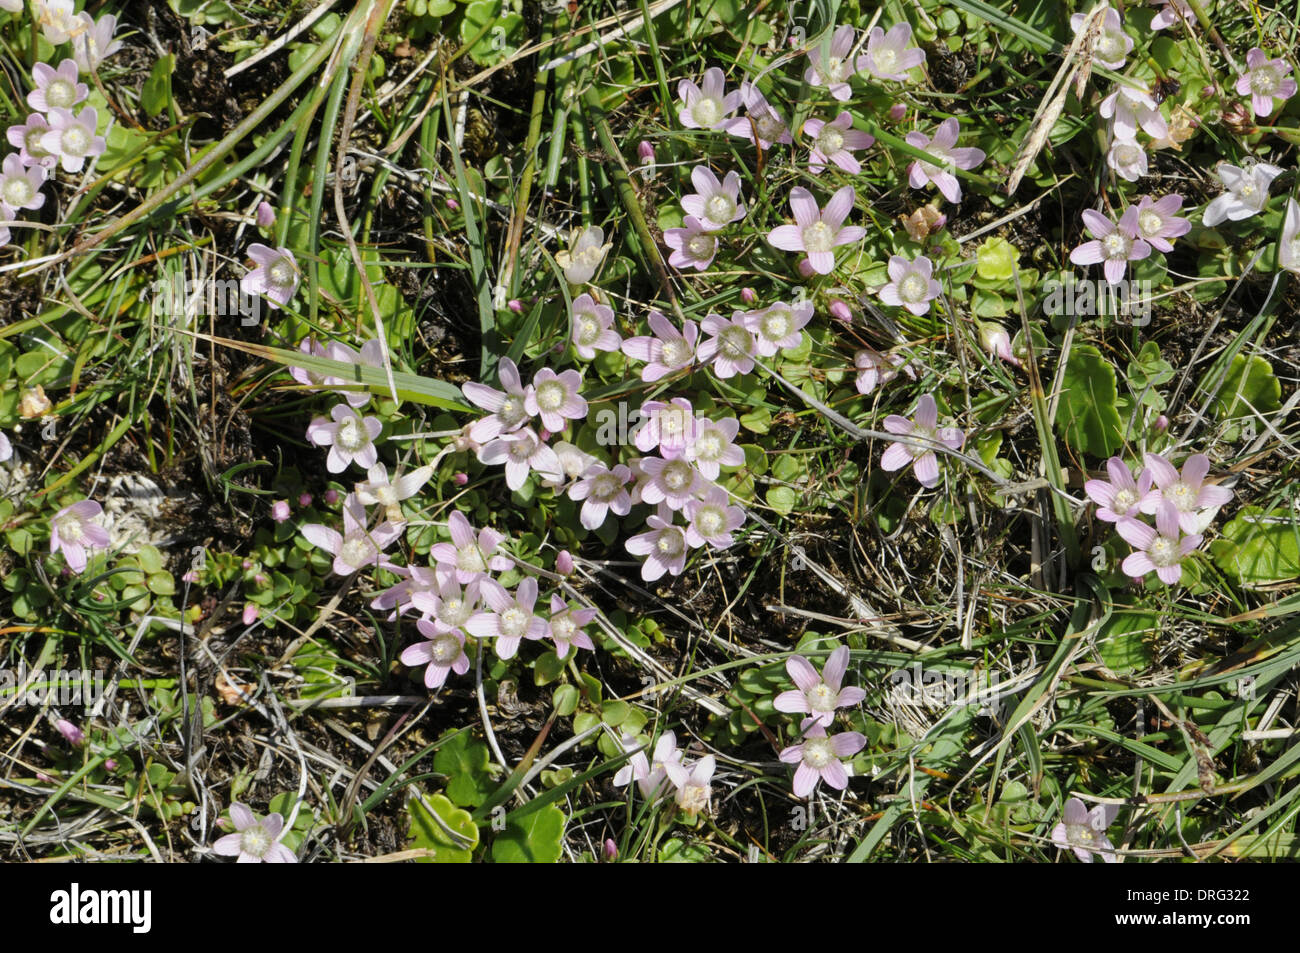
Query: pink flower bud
[[265, 215], [260, 579], [841, 311], [304, 499], [331, 497], [515, 305], [250, 614], [806, 268], [280, 510], [544, 435], [70, 732], [190, 576], [995, 340], [110, 765], [898, 112], [247, 564], [460, 479], [748, 295], [1162, 423], [453, 205], [610, 850], [564, 562], [646, 152]]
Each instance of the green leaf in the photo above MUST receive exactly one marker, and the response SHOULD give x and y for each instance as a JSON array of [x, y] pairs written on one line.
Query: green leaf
[[156, 92], [426, 832], [1124, 641], [465, 763], [782, 499], [677, 851], [1251, 387], [1259, 547], [565, 699], [1087, 415], [534, 838], [996, 259]]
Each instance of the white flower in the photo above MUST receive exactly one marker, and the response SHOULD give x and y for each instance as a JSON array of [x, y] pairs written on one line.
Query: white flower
[[1128, 159], [587, 249], [1247, 192], [1288, 250]]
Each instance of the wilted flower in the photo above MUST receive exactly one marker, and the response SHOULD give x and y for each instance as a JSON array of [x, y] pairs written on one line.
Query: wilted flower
[[1114, 245], [587, 249], [72, 138], [709, 105], [94, 42], [694, 793], [1121, 496], [923, 222], [836, 141], [663, 545], [1247, 192], [510, 619], [911, 284], [819, 696], [350, 437], [521, 452], [818, 232], [73, 531], [276, 274], [33, 403], [1112, 45], [443, 653], [730, 344], [1186, 492], [566, 625], [1128, 159], [593, 327], [602, 489], [1265, 82], [1162, 549], [645, 152], [254, 841], [358, 547], [56, 88], [711, 519], [1084, 831], [835, 73], [819, 759], [669, 350], [27, 139], [56, 18], [716, 204], [692, 245], [508, 408], [1156, 221], [778, 326], [925, 425], [920, 173], [771, 128], [888, 55]]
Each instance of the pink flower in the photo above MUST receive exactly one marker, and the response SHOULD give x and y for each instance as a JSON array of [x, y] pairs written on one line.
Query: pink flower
[[20, 186], [6, 448], [444, 652], [94, 42], [888, 55], [555, 399], [254, 841], [469, 556], [276, 274], [602, 490], [836, 141], [1114, 245], [713, 446], [1170, 12], [671, 482], [1127, 159], [1187, 492], [667, 427], [692, 245], [592, 328], [1121, 496], [835, 73], [708, 105], [370, 355], [668, 351], [649, 774], [926, 426], [920, 173], [694, 793], [777, 326], [1112, 45], [762, 117], [818, 695], [1132, 108], [305, 377], [1156, 221], [1084, 831], [358, 547], [27, 139], [280, 510], [351, 438], [1266, 82], [508, 408], [911, 284], [449, 605], [566, 625], [56, 88], [510, 619], [712, 521], [875, 369], [1162, 549], [73, 531], [730, 345], [818, 232], [71, 733], [819, 759], [521, 452], [663, 545], [716, 204]]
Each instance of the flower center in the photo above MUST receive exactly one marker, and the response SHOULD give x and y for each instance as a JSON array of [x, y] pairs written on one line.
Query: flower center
[[821, 697], [701, 246], [18, 190], [818, 237], [1247, 189], [1264, 81], [32, 142], [446, 649], [75, 141], [469, 559], [676, 476], [605, 487], [513, 622], [512, 410], [830, 141], [694, 798], [255, 841], [671, 423], [357, 551], [710, 520], [562, 628], [670, 543], [885, 60], [913, 288], [1127, 154], [835, 69], [352, 436], [281, 273], [719, 208], [673, 352], [776, 325], [769, 128], [1150, 223], [817, 753], [1116, 246], [1182, 496], [1109, 45], [60, 93], [1080, 834], [70, 529], [708, 446], [588, 331], [1124, 501], [735, 342], [1164, 552], [454, 612], [551, 395], [707, 112]]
